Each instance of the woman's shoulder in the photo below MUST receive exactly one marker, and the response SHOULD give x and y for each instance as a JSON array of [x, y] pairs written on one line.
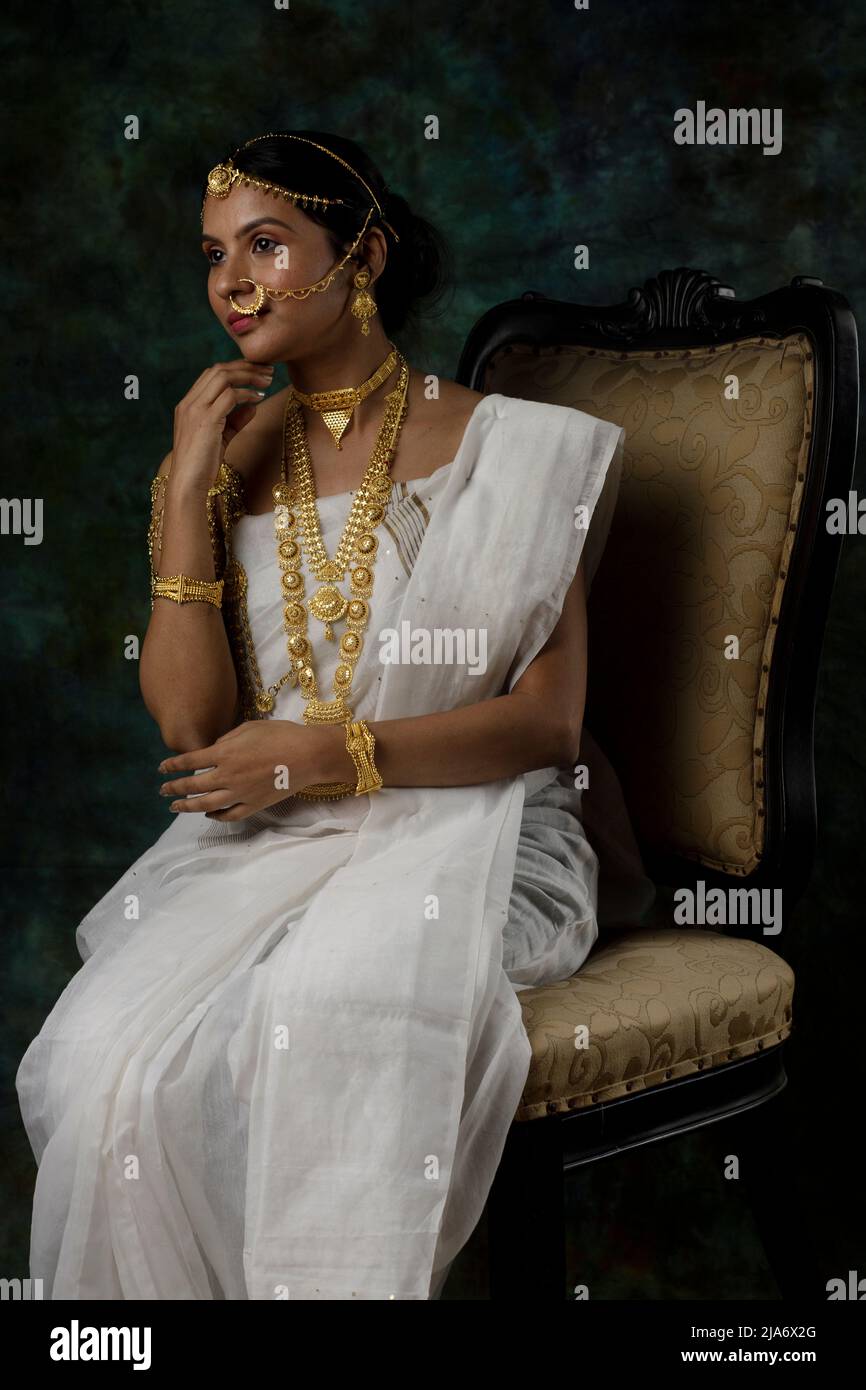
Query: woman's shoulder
[[439, 414], [448, 404]]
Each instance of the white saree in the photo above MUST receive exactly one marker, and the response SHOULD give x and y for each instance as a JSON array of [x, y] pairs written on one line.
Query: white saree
[[290, 1060]]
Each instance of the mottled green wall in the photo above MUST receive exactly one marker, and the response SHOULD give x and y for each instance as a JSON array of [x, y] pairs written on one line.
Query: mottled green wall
[[555, 127]]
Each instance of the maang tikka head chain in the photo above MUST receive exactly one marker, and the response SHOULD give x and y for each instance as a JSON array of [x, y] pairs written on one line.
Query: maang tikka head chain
[[223, 177]]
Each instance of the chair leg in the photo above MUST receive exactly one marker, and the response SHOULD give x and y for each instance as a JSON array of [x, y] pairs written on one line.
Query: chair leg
[[766, 1144], [526, 1216]]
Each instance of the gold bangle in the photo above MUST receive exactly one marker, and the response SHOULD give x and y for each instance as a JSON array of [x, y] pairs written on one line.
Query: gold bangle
[[361, 744], [181, 588]]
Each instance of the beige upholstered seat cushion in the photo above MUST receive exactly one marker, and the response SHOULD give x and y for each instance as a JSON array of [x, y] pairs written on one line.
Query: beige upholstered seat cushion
[[697, 555], [657, 1003]]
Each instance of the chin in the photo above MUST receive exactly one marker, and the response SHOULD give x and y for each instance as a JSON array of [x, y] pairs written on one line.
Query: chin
[[250, 342]]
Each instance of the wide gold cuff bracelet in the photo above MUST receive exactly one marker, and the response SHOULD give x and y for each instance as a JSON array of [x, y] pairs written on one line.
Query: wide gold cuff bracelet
[[360, 743]]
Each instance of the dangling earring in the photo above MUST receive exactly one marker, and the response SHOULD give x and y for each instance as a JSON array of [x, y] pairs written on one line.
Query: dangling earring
[[363, 305]]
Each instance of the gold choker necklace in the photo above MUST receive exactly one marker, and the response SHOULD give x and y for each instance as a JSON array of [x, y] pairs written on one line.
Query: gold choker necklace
[[336, 406]]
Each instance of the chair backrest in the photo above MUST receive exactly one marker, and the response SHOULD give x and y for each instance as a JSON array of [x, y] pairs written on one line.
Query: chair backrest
[[708, 610]]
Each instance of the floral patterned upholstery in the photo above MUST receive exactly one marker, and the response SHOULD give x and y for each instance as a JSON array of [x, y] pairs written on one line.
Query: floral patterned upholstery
[[655, 1004], [698, 552]]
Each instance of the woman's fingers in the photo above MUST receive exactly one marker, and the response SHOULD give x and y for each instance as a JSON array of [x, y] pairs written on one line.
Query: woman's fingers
[[224, 374], [232, 396], [188, 786], [210, 801], [198, 759]]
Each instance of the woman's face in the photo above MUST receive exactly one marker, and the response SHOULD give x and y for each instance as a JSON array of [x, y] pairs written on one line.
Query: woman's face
[[252, 234]]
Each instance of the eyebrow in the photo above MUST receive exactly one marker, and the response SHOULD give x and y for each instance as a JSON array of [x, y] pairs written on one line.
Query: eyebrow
[[249, 226]]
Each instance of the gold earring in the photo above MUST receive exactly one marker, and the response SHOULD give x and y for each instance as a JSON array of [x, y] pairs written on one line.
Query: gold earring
[[363, 305]]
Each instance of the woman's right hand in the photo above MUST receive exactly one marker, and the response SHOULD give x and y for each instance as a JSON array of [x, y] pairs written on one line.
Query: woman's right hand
[[213, 411]]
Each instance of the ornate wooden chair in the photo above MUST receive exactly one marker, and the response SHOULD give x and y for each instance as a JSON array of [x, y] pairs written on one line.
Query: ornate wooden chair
[[741, 423]]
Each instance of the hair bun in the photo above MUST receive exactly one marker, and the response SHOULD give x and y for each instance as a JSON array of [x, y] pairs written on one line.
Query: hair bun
[[418, 271]]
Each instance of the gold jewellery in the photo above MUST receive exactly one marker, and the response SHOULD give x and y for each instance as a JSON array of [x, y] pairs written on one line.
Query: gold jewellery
[[182, 589], [224, 177], [336, 406], [257, 303], [296, 518], [361, 744], [363, 305], [360, 741], [297, 529], [362, 279]]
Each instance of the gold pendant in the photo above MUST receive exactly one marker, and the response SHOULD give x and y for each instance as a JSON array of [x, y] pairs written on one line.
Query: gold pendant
[[265, 702], [328, 605], [327, 712], [337, 422]]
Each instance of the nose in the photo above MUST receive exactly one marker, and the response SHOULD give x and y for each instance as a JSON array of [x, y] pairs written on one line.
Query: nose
[[228, 284]]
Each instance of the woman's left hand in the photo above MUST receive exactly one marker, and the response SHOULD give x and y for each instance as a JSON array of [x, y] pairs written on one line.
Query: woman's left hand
[[254, 765]]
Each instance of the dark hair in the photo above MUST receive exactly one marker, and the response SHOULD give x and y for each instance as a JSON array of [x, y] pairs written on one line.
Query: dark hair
[[417, 269]]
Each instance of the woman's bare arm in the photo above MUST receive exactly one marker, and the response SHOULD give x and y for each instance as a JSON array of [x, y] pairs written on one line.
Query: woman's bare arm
[[186, 673], [537, 725]]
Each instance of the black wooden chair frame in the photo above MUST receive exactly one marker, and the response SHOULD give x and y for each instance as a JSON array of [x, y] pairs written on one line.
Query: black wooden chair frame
[[687, 308]]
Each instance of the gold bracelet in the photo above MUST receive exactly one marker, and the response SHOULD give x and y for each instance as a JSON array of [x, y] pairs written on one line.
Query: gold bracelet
[[361, 743], [181, 588]]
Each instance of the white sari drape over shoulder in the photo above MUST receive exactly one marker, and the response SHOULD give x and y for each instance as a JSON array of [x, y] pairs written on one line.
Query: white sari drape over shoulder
[[288, 1065]]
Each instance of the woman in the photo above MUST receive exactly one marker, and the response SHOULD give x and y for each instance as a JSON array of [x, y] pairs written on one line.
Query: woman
[[289, 1063]]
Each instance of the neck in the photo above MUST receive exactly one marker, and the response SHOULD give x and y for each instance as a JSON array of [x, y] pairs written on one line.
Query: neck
[[348, 364]]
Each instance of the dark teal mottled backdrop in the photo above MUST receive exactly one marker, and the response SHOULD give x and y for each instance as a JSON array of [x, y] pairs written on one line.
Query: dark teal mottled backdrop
[[555, 127]]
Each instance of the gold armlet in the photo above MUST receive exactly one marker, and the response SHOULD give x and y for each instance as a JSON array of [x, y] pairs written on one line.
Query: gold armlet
[[180, 588], [217, 540], [154, 529], [229, 487]]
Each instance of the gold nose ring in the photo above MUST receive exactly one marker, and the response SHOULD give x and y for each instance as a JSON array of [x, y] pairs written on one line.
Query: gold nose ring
[[257, 302]]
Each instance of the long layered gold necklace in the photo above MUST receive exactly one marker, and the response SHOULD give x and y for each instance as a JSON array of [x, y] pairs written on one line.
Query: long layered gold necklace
[[297, 528]]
